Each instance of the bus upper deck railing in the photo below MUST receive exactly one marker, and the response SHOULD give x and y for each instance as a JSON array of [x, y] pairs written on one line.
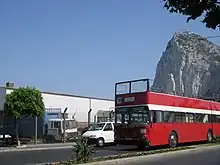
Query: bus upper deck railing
[[133, 86]]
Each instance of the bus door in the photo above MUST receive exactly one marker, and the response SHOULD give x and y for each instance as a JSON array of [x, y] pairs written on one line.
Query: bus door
[[216, 125], [159, 130]]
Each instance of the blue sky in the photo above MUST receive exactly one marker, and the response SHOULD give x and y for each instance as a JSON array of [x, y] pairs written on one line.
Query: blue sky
[[84, 47]]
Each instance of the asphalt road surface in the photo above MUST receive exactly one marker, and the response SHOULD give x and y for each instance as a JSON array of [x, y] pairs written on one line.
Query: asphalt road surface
[[206, 156], [52, 155]]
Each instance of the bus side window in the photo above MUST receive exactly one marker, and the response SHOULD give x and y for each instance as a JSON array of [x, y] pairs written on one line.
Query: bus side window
[[179, 117], [169, 117], [213, 118], [201, 118], [158, 117], [183, 117], [190, 117], [217, 118]]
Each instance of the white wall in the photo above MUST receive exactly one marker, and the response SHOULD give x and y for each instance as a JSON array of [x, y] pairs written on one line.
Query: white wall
[[2, 98], [75, 104], [97, 105]]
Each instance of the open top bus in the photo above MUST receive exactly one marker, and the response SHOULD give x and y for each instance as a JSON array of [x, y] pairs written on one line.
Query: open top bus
[[146, 118]]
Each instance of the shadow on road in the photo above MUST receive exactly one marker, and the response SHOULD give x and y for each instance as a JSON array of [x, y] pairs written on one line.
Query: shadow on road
[[130, 148]]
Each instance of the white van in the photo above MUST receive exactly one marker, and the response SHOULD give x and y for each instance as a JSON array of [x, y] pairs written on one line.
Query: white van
[[100, 133]]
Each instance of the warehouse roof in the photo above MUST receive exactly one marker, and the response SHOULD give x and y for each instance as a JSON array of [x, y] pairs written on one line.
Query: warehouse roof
[[66, 94]]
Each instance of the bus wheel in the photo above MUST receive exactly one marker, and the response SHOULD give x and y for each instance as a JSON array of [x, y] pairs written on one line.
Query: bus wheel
[[100, 142], [173, 140], [209, 136]]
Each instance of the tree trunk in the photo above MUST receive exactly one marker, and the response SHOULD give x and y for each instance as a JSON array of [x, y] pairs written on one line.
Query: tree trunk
[[17, 132]]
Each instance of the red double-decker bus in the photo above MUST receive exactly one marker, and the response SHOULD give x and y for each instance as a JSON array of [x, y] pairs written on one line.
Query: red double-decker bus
[[146, 118]]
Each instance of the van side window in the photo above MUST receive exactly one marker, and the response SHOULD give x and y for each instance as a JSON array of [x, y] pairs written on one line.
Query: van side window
[[108, 127]]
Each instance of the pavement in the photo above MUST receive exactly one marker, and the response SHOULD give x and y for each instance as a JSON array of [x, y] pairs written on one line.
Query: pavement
[[199, 156], [35, 147]]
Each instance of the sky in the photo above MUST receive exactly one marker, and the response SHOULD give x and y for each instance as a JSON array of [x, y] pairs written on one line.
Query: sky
[[84, 47]]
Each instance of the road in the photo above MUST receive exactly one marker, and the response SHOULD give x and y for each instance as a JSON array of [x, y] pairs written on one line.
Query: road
[[209, 156], [204, 156], [52, 155]]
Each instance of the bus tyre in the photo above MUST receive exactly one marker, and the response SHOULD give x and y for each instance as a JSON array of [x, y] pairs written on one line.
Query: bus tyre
[[100, 142], [173, 140], [209, 136]]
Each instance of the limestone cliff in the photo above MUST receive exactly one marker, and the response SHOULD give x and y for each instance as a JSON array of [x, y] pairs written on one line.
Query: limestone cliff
[[190, 66]]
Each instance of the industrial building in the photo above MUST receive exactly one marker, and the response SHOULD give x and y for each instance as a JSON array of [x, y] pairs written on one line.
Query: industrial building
[[78, 107]]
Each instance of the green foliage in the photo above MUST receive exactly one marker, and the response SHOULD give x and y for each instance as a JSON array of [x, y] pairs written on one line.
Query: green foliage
[[83, 151], [193, 9], [24, 101]]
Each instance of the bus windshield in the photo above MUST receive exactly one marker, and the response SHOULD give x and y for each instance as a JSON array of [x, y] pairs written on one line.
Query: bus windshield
[[133, 115]]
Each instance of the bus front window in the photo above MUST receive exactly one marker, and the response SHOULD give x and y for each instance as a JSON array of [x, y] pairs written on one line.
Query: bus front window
[[139, 115], [122, 115], [133, 115]]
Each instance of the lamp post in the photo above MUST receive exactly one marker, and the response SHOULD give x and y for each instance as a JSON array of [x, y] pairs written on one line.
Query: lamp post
[[35, 139], [111, 112], [64, 125]]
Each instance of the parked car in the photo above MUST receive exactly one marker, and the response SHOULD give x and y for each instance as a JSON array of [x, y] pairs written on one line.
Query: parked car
[[100, 133]]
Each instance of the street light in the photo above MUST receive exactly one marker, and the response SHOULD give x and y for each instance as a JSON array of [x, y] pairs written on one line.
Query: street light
[[111, 113], [64, 125]]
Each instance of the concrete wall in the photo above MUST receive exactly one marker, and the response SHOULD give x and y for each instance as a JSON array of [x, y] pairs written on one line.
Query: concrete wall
[[77, 105], [2, 98]]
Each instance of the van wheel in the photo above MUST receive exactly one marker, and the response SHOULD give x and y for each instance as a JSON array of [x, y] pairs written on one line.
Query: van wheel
[[9, 141], [209, 136], [173, 140], [100, 142]]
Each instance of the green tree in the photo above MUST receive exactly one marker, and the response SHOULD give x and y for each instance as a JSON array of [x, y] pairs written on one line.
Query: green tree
[[24, 101], [194, 9]]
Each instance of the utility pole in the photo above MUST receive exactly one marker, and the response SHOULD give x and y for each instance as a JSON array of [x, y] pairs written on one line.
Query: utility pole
[[64, 125], [89, 112], [35, 139]]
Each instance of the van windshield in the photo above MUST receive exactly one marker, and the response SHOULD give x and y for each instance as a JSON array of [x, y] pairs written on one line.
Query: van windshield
[[97, 127]]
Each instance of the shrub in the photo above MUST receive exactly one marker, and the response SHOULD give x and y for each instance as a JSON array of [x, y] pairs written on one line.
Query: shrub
[[217, 138], [83, 151]]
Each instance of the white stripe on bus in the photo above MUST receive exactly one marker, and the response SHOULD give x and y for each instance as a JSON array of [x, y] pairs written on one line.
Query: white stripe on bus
[[177, 109], [174, 109]]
